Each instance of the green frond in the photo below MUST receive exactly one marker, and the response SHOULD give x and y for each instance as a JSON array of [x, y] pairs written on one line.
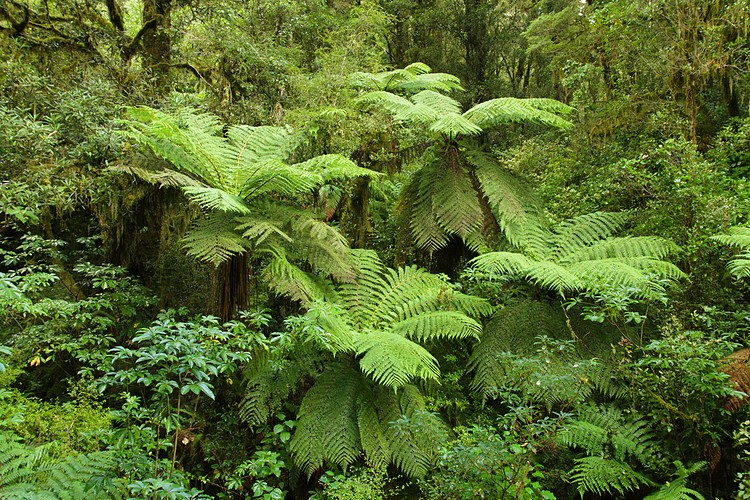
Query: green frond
[[385, 101], [327, 420], [392, 360], [339, 334], [512, 329], [738, 237], [334, 167], [605, 476], [453, 126], [580, 232], [387, 80], [322, 246], [273, 381], [275, 176], [414, 434], [677, 489], [442, 82], [551, 105], [740, 267], [410, 291], [187, 140], [289, 280], [251, 145], [361, 296], [440, 103], [214, 239], [454, 201], [629, 273], [259, 230], [554, 277], [510, 110], [209, 198], [438, 324], [375, 444], [604, 429], [502, 263], [164, 178], [428, 234], [626, 247]]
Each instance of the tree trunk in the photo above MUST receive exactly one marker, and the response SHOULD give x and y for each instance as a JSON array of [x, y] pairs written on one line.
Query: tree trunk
[[157, 42]]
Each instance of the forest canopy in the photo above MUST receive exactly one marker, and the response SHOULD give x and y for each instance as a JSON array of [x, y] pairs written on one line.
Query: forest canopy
[[374, 249]]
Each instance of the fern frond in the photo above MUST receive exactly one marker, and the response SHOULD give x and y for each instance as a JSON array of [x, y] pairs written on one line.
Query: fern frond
[[327, 420], [209, 198], [214, 239], [414, 435], [274, 176], [583, 231], [555, 277], [164, 178], [187, 140], [677, 488], [287, 279], [605, 476], [375, 444], [453, 126], [509, 110], [511, 329], [438, 324], [251, 145], [386, 101], [441, 104], [442, 82], [392, 360], [738, 237], [272, 383], [596, 429], [335, 167], [626, 247], [428, 233], [502, 263], [454, 202]]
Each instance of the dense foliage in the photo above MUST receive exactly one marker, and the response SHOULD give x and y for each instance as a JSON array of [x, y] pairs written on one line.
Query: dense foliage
[[374, 249]]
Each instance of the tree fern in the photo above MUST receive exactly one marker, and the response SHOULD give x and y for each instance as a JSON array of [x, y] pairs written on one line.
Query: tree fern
[[241, 180], [372, 329], [446, 194]]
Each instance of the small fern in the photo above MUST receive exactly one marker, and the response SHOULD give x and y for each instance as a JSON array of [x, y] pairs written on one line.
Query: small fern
[[605, 476], [737, 237]]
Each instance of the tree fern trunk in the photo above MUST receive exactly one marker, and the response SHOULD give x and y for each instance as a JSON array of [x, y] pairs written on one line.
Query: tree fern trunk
[[233, 281]]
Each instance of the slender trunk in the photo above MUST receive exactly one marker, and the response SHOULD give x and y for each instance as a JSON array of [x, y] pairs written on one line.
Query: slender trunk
[[233, 295]]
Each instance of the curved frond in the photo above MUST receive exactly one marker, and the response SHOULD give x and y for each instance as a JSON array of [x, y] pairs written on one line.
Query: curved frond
[[214, 239], [580, 232], [333, 167], [216, 199], [392, 360], [512, 328], [738, 237], [327, 420], [643, 246], [385, 101], [509, 110], [453, 126], [287, 279], [605, 476], [188, 140], [438, 324], [502, 263]]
